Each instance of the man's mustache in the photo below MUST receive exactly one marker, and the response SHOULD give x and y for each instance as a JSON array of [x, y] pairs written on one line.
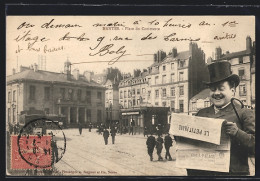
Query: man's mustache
[[217, 96]]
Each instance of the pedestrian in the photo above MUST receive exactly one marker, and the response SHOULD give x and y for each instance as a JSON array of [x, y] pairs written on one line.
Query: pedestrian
[[145, 131], [80, 128], [113, 134], [150, 142], [167, 145], [90, 127], [159, 147], [106, 135], [240, 127], [132, 124]]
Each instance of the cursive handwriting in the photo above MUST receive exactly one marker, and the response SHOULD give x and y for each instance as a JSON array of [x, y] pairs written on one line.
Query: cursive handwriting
[[171, 38], [226, 36], [26, 25], [106, 50], [28, 37], [46, 49], [51, 25], [115, 24], [180, 25], [149, 37], [79, 38]]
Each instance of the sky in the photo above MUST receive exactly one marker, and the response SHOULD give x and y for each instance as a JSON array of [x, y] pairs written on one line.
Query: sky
[[125, 42]]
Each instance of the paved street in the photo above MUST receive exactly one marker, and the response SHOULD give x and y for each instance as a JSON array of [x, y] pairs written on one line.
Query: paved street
[[87, 154]]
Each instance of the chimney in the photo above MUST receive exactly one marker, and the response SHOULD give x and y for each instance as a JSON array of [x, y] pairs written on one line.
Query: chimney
[[248, 43], [13, 71], [67, 69], [87, 75], [35, 67], [174, 52], [190, 47], [75, 73], [218, 53], [155, 58]]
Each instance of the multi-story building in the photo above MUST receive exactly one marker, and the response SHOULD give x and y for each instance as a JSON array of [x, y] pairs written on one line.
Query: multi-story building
[[112, 101], [68, 93], [242, 64], [169, 82]]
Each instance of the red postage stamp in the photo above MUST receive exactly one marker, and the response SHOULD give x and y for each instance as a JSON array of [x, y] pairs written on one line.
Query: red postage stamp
[[31, 152]]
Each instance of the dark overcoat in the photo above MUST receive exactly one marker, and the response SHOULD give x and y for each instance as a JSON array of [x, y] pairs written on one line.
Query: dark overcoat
[[243, 142]]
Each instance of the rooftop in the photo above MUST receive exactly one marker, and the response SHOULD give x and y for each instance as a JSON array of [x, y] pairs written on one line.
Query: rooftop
[[42, 75]]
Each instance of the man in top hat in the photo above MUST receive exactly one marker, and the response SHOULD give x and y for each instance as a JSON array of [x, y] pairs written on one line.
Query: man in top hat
[[241, 130]]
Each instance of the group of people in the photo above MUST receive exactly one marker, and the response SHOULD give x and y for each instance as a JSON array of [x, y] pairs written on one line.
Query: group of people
[[157, 143], [106, 135]]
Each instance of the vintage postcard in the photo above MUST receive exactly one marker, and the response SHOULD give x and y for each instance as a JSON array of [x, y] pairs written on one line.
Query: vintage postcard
[[96, 95]]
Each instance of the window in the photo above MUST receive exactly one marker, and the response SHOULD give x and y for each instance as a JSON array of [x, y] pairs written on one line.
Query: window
[[62, 93], [164, 104], [137, 101], [14, 113], [180, 76], [89, 115], [164, 79], [14, 96], [149, 81], [133, 91], [172, 77], [129, 93], [9, 97], [121, 94], [88, 96], [206, 103], [242, 90], [193, 106], [9, 115], [143, 90], [156, 80], [138, 91], [241, 74], [71, 92], [181, 105], [32, 93], [164, 92], [172, 66], [47, 92], [79, 94], [156, 103], [149, 94], [125, 94], [129, 103], [125, 104], [181, 91], [173, 91], [99, 96], [99, 115], [181, 63], [240, 59], [133, 102], [156, 93], [164, 67], [173, 106], [47, 111]]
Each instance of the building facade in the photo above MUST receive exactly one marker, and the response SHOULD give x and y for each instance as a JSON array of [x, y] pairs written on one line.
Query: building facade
[[68, 93], [169, 82], [242, 64]]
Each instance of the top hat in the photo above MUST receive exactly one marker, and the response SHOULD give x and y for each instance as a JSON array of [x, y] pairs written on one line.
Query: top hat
[[221, 71]]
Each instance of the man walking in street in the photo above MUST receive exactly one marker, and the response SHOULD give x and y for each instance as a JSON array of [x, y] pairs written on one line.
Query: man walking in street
[[80, 128], [106, 135], [150, 142], [240, 125], [113, 134], [167, 145], [159, 147]]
